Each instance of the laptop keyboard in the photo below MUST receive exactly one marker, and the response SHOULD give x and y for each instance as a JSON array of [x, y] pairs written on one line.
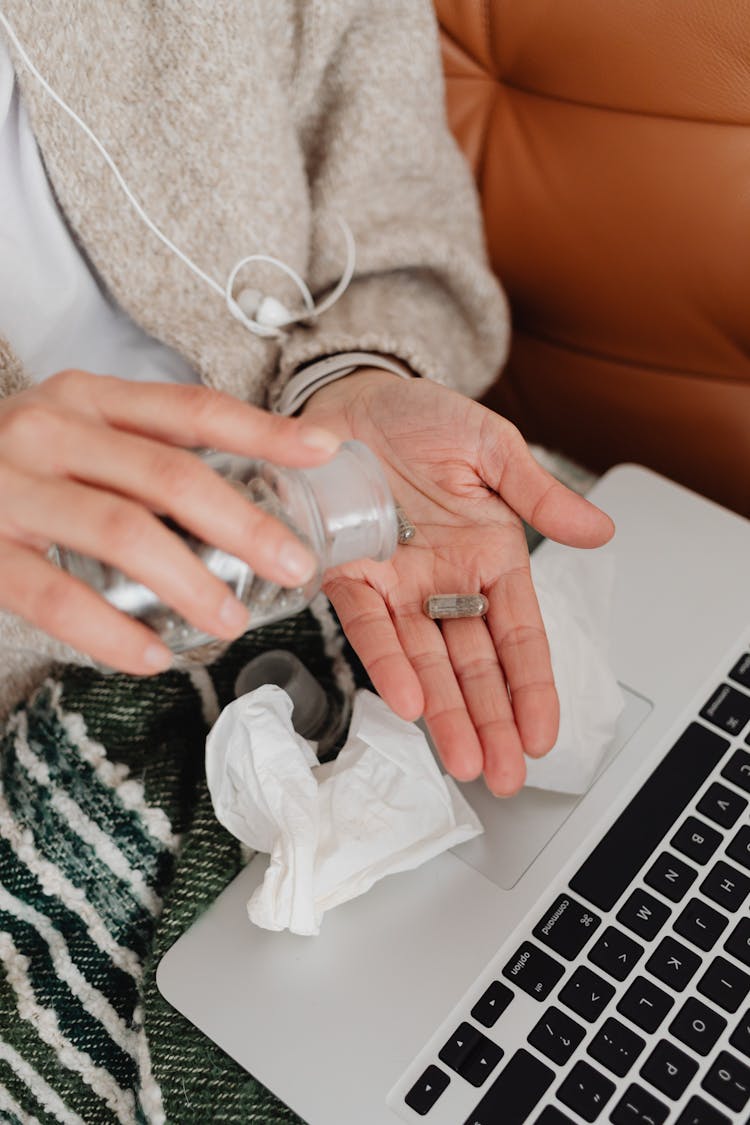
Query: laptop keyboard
[[630, 992]]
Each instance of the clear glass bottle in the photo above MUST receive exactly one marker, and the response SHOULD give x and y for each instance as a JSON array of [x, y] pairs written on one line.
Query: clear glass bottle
[[342, 510]]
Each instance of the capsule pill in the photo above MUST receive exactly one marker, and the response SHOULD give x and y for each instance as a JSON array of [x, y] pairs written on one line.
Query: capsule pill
[[441, 606]]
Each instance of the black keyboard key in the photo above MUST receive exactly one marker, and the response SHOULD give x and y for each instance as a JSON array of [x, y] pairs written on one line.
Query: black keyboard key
[[533, 970], [426, 1090], [669, 1069], [737, 770], [726, 886], [491, 1004], [739, 848], [518, 1088], [674, 964], [616, 1047], [556, 1036], [586, 1091], [638, 1107], [460, 1045], [643, 914], [697, 1026], [738, 942], [740, 1037], [566, 927], [696, 839], [722, 805], [671, 877], [741, 671], [728, 709], [725, 984], [616, 953], [587, 993], [639, 829], [644, 1004], [698, 1112], [481, 1062], [553, 1116], [729, 1081], [701, 924]]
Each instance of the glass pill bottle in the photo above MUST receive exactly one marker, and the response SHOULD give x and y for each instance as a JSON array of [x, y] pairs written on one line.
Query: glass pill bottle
[[342, 511]]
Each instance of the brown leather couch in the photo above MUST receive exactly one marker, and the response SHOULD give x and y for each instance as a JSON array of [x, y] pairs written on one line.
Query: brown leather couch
[[611, 146]]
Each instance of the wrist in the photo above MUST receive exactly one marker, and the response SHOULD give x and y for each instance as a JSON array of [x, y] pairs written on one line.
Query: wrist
[[355, 383], [318, 373]]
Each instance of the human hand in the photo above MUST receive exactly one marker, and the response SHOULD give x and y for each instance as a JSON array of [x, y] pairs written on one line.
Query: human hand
[[465, 477], [90, 461]]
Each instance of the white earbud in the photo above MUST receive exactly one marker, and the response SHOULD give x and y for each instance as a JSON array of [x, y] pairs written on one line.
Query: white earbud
[[261, 314], [272, 314], [265, 315], [267, 311]]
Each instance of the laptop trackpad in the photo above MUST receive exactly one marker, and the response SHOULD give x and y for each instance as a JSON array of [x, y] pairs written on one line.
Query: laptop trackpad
[[516, 830]]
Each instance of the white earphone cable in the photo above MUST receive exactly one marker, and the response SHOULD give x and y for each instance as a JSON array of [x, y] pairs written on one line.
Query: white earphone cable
[[224, 291], [110, 162]]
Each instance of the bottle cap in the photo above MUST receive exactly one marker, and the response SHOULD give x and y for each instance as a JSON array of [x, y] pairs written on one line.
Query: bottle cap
[[356, 506], [310, 703]]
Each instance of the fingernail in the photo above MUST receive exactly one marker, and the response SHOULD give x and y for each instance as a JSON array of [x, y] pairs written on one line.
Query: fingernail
[[234, 614], [296, 561], [316, 438], [158, 657]]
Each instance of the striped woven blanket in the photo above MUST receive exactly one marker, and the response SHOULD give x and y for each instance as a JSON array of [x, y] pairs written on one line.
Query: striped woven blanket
[[109, 849]]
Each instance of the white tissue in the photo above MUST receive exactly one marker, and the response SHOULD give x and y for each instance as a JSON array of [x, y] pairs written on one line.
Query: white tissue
[[331, 830], [574, 590]]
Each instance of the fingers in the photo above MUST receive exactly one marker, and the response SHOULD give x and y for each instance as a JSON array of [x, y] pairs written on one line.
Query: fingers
[[461, 672], [451, 727], [66, 609], [517, 631], [193, 416], [493, 680], [483, 687], [126, 536], [92, 429], [176, 483], [365, 619], [411, 669], [508, 466]]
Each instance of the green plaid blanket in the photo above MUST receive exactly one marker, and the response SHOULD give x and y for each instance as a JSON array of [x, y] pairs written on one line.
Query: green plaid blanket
[[109, 849]]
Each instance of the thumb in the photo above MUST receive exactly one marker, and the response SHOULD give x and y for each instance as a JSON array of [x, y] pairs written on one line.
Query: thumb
[[554, 510]]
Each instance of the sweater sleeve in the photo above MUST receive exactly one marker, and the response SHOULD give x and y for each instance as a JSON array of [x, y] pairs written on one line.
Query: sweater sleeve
[[379, 154]]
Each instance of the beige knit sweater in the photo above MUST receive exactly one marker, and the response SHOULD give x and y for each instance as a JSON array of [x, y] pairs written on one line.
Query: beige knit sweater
[[249, 125]]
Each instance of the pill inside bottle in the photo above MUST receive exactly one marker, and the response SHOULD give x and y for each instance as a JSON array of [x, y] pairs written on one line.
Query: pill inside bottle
[[443, 606]]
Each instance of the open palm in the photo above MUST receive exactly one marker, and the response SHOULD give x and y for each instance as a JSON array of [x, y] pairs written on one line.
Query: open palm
[[465, 477]]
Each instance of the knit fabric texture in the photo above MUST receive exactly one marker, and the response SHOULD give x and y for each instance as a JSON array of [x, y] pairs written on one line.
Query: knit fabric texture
[[245, 128], [109, 850]]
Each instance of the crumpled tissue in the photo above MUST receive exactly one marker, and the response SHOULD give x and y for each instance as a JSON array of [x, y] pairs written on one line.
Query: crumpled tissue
[[331, 830], [574, 590]]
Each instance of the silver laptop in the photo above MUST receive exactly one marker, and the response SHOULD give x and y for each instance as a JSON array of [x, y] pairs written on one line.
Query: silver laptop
[[587, 959]]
